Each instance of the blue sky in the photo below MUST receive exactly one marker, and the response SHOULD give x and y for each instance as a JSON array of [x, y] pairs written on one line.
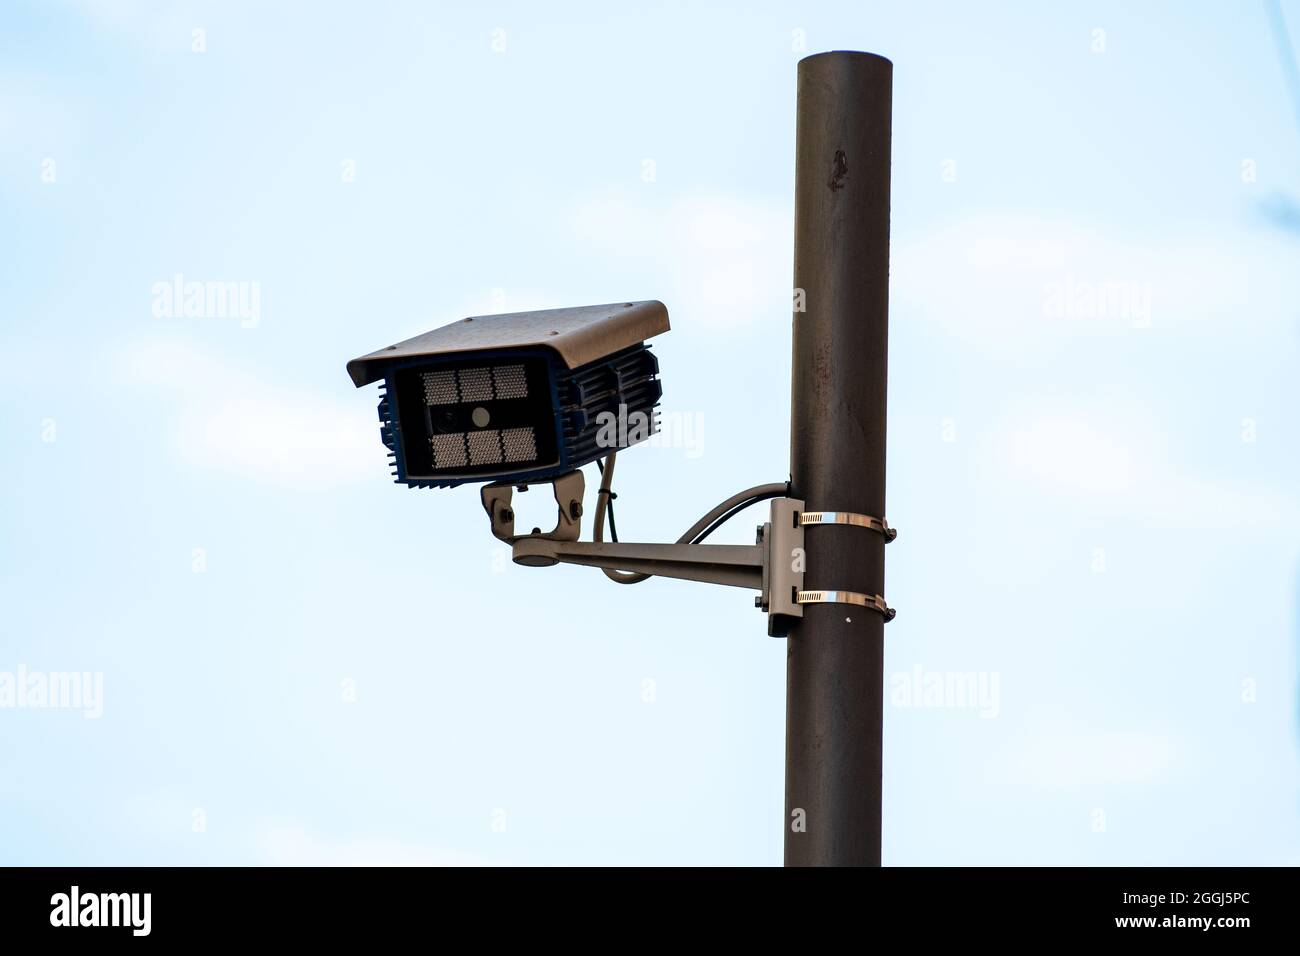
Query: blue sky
[[1093, 446]]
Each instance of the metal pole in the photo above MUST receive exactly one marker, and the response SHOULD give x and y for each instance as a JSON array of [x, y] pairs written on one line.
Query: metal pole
[[835, 653]]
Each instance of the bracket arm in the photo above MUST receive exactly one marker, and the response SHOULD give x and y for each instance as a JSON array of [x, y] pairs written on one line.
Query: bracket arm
[[735, 565]]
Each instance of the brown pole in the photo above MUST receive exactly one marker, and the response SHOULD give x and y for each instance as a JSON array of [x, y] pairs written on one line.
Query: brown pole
[[835, 653]]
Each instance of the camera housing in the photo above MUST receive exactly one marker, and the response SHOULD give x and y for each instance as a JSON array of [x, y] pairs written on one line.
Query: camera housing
[[519, 397]]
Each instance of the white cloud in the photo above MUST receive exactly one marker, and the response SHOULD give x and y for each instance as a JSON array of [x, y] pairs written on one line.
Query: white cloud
[[293, 845], [727, 258], [990, 281], [1120, 456], [1062, 759], [229, 420], [144, 23], [1071, 452]]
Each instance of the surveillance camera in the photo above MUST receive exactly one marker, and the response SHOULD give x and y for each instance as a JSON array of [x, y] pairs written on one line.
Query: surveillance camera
[[519, 397]]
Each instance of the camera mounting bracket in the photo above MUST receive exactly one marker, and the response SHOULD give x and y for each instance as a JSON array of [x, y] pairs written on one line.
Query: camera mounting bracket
[[773, 565], [498, 496]]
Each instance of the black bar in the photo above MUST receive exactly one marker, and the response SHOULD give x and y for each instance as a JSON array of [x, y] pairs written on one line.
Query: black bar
[[478, 908]]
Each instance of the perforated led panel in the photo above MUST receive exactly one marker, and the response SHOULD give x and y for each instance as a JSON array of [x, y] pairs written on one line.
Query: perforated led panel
[[478, 417]]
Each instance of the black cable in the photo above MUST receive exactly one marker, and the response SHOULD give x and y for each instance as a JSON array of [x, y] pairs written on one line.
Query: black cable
[[763, 495], [613, 528], [714, 519], [737, 509], [609, 506]]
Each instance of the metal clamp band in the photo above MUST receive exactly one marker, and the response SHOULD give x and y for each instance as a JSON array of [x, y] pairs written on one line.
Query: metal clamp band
[[873, 601], [879, 525]]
